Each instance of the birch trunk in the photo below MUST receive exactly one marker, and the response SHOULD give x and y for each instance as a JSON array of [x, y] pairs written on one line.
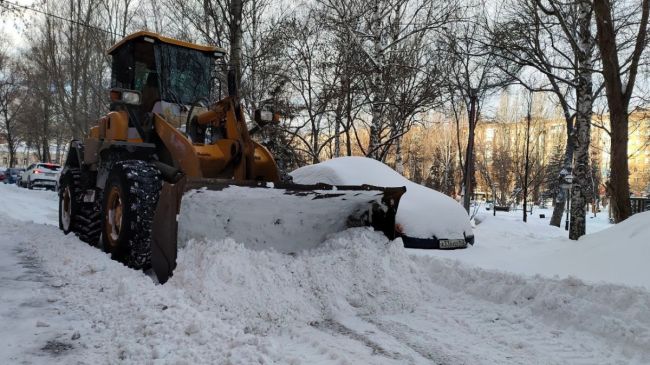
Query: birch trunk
[[337, 129], [378, 93], [581, 176], [236, 8]]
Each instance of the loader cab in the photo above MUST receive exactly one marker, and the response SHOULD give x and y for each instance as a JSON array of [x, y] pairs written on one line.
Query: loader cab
[[169, 75]]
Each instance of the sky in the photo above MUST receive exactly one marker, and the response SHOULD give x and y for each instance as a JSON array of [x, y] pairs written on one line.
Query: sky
[[12, 25]]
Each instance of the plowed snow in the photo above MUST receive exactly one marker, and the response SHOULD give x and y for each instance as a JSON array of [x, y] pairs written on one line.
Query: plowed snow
[[357, 299]]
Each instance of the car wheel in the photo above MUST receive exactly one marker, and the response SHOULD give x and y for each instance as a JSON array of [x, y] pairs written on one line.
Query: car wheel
[[30, 185]]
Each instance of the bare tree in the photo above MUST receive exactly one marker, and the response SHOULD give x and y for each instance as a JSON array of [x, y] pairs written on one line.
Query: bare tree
[[385, 25], [474, 72], [12, 95], [554, 38], [620, 76], [310, 77]]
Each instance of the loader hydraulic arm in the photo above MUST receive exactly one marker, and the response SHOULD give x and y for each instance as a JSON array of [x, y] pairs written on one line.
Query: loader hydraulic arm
[[222, 115]]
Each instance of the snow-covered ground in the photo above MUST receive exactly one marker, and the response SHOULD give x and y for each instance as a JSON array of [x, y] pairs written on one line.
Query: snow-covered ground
[[617, 255], [357, 299]]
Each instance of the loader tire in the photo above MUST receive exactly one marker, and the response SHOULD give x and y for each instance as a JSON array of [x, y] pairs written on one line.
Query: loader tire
[[75, 215], [89, 223], [128, 206], [68, 203]]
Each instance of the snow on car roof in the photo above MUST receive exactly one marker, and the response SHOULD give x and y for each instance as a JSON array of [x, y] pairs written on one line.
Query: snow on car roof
[[422, 212]]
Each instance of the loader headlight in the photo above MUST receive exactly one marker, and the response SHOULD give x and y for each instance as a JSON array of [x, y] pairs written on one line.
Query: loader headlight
[[131, 97], [266, 115]]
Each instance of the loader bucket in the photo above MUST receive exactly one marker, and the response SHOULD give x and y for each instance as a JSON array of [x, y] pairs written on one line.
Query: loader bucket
[[284, 217]]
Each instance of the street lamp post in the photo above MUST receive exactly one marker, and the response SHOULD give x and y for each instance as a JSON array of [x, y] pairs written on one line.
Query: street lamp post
[[568, 181]]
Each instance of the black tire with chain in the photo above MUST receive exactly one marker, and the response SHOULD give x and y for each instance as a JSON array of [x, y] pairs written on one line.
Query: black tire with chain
[[86, 216], [138, 184], [89, 223]]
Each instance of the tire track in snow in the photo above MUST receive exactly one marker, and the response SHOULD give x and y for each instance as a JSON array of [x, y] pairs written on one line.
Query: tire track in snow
[[615, 315], [35, 326], [337, 328]]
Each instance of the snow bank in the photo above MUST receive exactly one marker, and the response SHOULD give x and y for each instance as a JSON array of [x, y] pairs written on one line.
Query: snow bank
[[356, 270], [620, 254], [38, 206], [229, 304], [422, 212], [357, 298], [617, 313], [616, 254]]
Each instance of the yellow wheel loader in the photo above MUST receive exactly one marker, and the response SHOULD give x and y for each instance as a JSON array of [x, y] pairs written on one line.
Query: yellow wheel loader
[[167, 165]]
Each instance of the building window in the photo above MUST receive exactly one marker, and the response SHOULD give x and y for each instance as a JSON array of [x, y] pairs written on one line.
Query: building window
[[489, 134]]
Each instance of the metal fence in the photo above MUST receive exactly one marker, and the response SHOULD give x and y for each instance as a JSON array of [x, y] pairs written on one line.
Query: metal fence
[[640, 205]]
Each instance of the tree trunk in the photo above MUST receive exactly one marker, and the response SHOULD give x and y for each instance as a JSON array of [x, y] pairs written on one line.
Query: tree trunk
[[236, 8], [11, 145], [348, 125], [378, 92], [337, 134], [338, 120], [560, 198], [469, 155], [399, 162], [315, 139], [526, 165], [618, 185], [581, 170], [618, 99]]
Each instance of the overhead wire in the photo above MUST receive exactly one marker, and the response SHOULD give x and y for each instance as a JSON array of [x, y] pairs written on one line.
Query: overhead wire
[[8, 5]]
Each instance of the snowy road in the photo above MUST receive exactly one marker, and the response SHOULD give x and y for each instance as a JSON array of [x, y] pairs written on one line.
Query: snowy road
[[356, 300]]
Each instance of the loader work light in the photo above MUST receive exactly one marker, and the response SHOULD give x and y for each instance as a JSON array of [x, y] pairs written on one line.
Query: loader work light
[[131, 97]]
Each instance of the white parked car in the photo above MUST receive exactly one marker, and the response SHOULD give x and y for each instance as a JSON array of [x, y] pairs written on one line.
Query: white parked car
[[425, 218], [40, 175]]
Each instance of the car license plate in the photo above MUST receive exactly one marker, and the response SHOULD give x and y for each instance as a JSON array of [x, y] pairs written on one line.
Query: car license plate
[[458, 243]]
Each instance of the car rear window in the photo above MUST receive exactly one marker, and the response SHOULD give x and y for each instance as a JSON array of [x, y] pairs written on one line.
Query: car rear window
[[49, 166]]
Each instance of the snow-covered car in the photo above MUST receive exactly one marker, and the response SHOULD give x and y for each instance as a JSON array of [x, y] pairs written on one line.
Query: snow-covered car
[[425, 218], [40, 175]]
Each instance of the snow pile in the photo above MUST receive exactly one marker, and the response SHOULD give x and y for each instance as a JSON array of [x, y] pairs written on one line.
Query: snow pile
[[129, 318], [615, 312], [355, 271], [617, 254], [422, 212], [38, 206], [358, 292], [620, 254], [357, 298]]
